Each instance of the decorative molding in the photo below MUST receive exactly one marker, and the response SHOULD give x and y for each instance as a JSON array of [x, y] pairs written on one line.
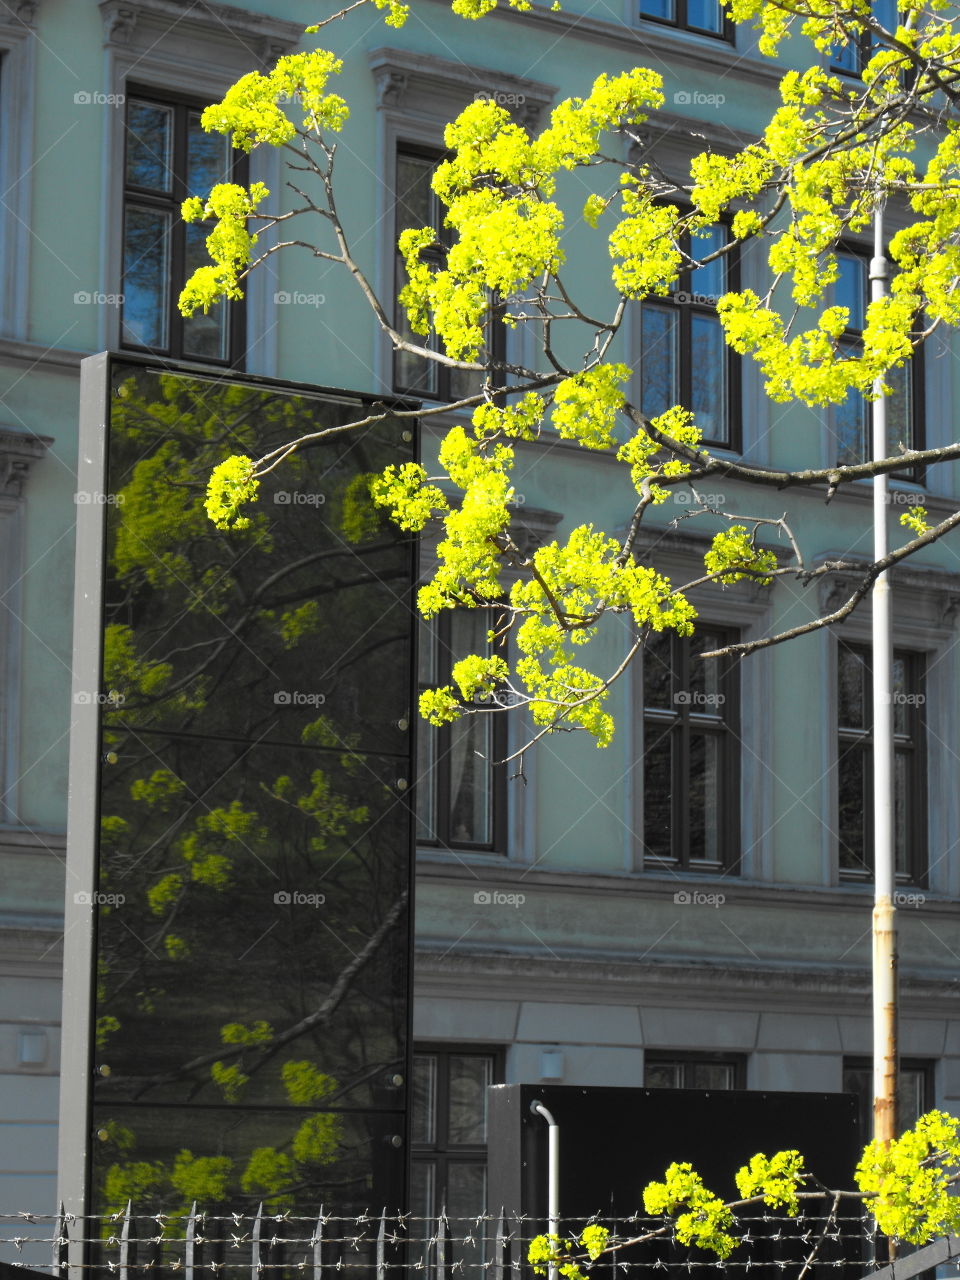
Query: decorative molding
[[23, 14], [932, 595], [422, 85], [18, 451], [142, 22]]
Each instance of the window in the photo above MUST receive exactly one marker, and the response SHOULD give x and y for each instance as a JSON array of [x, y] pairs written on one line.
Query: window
[[706, 17], [450, 1129], [691, 776], [852, 57], [855, 763], [685, 359], [169, 157], [852, 420], [418, 206], [694, 1070], [914, 1091], [460, 789]]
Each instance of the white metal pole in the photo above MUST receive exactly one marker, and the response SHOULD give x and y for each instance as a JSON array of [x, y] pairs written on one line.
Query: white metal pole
[[884, 852], [553, 1177]]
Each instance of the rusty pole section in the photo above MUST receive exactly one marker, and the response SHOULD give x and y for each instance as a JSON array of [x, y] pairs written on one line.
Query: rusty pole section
[[884, 909]]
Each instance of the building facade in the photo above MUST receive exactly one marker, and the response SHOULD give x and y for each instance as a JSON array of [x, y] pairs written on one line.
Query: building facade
[[689, 907]]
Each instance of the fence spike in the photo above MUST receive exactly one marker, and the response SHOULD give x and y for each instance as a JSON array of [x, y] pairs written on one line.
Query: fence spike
[[381, 1246], [128, 1242], [499, 1247], [318, 1246], [442, 1243], [255, 1263], [190, 1244], [61, 1242]]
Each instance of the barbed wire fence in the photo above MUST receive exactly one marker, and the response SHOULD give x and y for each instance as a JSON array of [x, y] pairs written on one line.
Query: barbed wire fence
[[824, 1243]]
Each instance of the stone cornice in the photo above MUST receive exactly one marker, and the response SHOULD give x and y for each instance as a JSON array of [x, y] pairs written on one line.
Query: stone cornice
[[35, 354], [18, 451], [25, 840], [649, 887], [441, 971], [424, 85], [127, 22]]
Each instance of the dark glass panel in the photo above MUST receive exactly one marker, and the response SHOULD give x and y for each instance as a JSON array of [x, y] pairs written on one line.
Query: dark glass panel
[[658, 362], [231, 1159], [149, 144], [470, 780], [900, 693], [146, 271], [657, 791], [853, 768], [281, 632], [252, 878], [708, 377], [900, 409]]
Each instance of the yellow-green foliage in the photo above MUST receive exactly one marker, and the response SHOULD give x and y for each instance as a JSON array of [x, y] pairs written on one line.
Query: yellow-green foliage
[[702, 1218], [911, 1180], [777, 1179]]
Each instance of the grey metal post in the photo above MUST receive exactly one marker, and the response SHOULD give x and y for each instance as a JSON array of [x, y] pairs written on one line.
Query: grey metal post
[[884, 908]]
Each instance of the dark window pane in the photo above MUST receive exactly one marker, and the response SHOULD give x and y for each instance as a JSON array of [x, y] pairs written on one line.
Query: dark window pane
[[427, 784], [208, 158], [203, 334], [705, 677], [663, 9], [470, 1074], [657, 791], [900, 409], [708, 368], [853, 771], [417, 204], [470, 765], [704, 15], [424, 1098], [850, 290], [663, 1075], [146, 272], [704, 797], [852, 679], [149, 143], [711, 1075], [423, 1180], [709, 281], [658, 671], [658, 364], [911, 1097], [466, 1198], [901, 810]]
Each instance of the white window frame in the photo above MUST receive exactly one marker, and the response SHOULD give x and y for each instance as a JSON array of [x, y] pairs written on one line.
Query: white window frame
[[200, 51]]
